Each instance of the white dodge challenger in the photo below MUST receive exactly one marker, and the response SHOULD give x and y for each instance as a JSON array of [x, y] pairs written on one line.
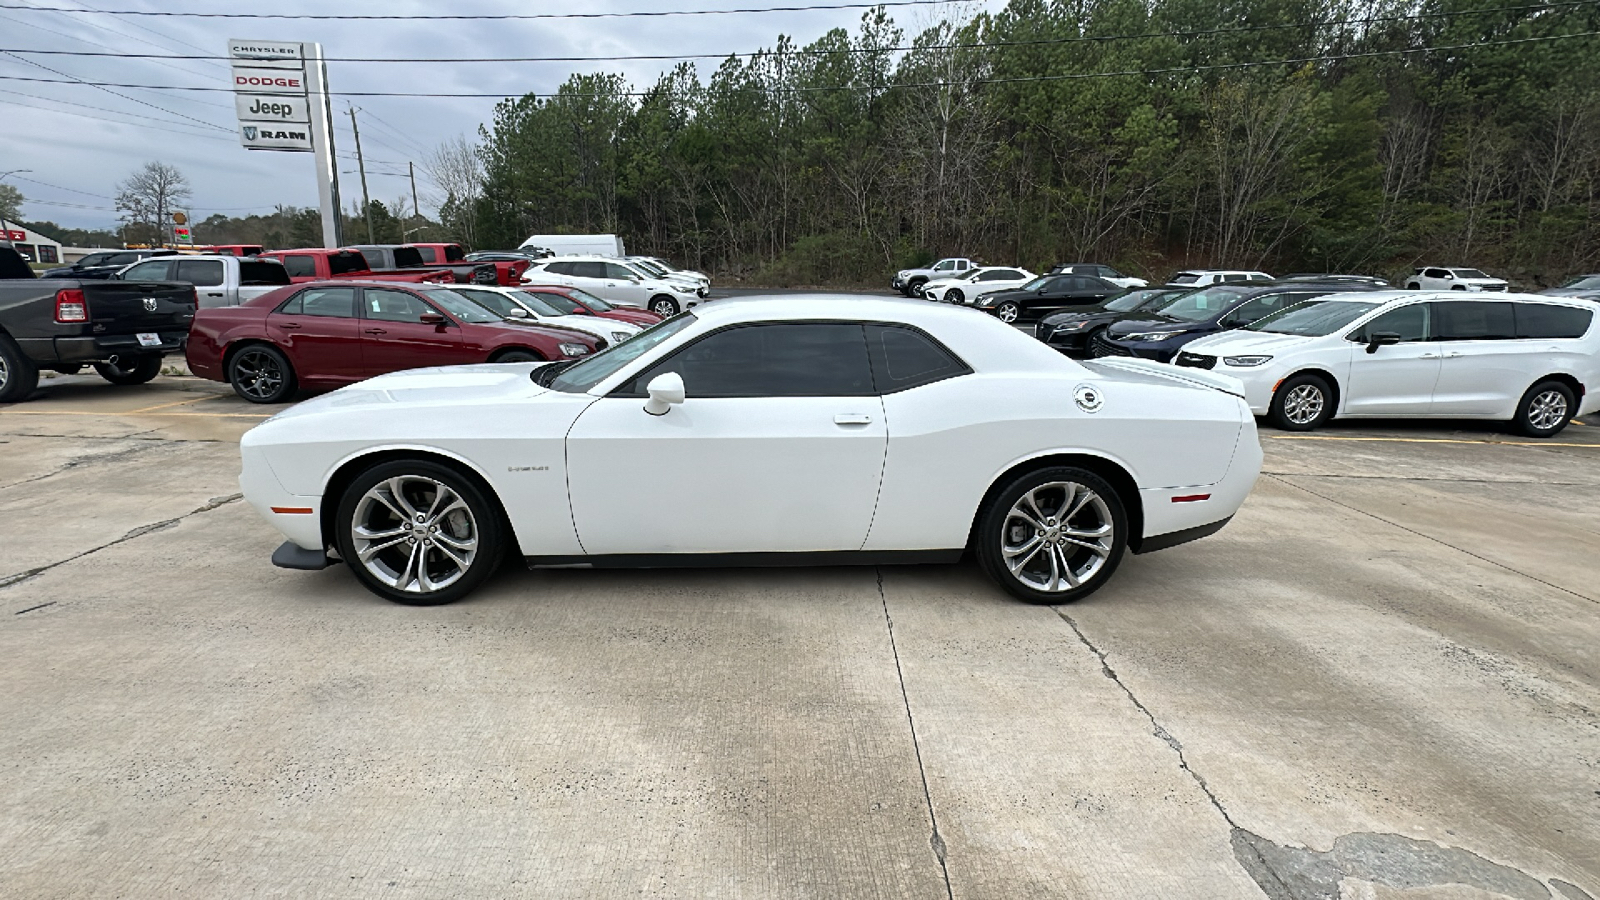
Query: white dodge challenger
[[761, 431]]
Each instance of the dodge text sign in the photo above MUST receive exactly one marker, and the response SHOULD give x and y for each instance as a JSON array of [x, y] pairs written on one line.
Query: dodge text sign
[[269, 81]]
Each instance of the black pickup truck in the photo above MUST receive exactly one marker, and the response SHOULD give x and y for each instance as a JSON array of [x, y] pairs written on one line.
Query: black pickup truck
[[105, 264], [122, 328]]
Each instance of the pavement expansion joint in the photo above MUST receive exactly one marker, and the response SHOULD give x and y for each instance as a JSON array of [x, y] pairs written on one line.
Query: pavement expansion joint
[[1499, 565], [7, 581], [936, 841]]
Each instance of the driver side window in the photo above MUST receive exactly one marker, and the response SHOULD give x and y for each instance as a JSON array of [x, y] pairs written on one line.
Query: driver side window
[[155, 270], [1412, 323], [802, 359]]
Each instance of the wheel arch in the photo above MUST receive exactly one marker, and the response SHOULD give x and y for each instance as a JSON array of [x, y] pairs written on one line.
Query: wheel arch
[[1570, 381], [1113, 472], [500, 352], [351, 468], [232, 349], [1320, 372]]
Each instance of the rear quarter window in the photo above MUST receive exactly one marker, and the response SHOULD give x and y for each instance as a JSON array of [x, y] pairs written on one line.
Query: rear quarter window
[[300, 266], [904, 358], [1546, 320], [407, 257]]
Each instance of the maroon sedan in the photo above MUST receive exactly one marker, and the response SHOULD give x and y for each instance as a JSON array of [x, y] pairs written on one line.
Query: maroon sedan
[[574, 302], [328, 334]]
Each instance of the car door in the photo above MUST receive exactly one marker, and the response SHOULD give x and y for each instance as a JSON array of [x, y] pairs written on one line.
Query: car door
[[1394, 380], [319, 329], [394, 337], [778, 447], [209, 277], [626, 286], [1484, 368]]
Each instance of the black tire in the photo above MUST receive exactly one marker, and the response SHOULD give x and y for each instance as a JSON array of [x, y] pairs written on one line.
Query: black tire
[[385, 572], [511, 356], [1413, 286], [1545, 409], [1301, 403], [1458, 287], [1001, 532], [137, 370], [19, 377], [664, 306], [954, 295], [915, 287], [261, 373], [1008, 312]]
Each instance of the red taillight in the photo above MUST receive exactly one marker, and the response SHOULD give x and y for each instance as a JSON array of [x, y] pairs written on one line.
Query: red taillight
[[194, 292], [71, 306]]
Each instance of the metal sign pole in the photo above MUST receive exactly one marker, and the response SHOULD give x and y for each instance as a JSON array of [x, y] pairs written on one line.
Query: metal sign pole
[[321, 108]]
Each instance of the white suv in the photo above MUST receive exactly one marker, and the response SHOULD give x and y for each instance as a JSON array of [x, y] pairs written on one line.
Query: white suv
[[1528, 359], [1434, 278], [614, 281]]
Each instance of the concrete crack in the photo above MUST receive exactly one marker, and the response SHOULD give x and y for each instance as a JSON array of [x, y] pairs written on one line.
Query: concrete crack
[[1499, 565], [77, 462], [936, 841], [215, 502]]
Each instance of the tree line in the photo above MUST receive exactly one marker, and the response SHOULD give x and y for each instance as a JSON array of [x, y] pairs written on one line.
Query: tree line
[[1320, 135]]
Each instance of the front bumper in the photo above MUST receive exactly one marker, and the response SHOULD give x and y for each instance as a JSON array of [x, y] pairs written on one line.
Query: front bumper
[[297, 517]]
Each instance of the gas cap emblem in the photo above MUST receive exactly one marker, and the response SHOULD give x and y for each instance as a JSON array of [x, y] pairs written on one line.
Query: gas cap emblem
[[1088, 398]]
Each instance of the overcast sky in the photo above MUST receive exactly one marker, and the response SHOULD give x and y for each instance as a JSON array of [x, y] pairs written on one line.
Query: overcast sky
[[86, 139]]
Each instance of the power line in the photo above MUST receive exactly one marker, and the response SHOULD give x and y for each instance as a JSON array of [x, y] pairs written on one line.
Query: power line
[[975, 45], [107, 89], [165, 127], [503, 17], [60, 188], [1172, 70]]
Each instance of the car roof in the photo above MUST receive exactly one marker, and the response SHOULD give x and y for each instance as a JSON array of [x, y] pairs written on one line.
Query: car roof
[[1390, 296]]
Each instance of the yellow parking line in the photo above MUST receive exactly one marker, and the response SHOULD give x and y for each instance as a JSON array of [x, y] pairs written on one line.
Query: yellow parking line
[[196, 415], [179, 403], [1318, 437]]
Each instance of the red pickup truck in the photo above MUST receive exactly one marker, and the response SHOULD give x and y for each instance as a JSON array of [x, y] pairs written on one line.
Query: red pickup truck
[[325, 265], [398, 257]]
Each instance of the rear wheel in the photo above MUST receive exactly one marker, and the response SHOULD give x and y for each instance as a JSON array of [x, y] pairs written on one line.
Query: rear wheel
[[1053, 535], [18, 375], [261, 374], [418, 533], [1301, 403], [665, 307], [130, 369], [1545, 409]]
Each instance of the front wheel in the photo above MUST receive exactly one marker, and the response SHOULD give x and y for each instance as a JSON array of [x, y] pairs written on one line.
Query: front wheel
[[1545, 409], [261, 374], [418, 533], [1053, 535], [955, 295], [665, 307], [1008, 312], [917, 286], [130, 370], [511, 356], [1302, 403], [1413, 286]]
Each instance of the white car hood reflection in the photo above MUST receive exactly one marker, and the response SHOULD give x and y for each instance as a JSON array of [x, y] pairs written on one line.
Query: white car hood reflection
[[441, 385]]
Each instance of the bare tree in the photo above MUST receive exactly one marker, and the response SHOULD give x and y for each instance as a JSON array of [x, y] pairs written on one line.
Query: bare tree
[[150, 195], [457, 169]]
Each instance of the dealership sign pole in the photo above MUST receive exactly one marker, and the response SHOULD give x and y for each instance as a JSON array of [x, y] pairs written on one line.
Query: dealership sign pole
[[280, 92]]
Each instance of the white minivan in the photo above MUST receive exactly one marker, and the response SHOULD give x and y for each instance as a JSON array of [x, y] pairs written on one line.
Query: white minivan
[[615, 281], [1523, 358]]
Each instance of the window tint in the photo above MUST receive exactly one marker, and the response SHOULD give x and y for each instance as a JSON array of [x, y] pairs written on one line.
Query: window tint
[[1257, 276], [559, 268], [562, 304], [541, 305], [155, 270], [429, 255], [406, 257], [1465, 320], [97, 259], [1253, 309], [347, 261], [123, 259], [494, 300], [1436, 273], [1234, 276], [262, 272], [620, 273], [200, 271], [1108, 272], [300, 266], [588, 269], [453, 253], [1412, 323], [392, 306], [1002, 275], [945, 266], [336, 302], [1186, 278], [903, 358], [801, 359], [1545, 320]]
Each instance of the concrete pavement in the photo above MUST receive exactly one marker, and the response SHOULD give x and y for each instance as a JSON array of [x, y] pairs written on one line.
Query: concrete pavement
[[1379, 681]]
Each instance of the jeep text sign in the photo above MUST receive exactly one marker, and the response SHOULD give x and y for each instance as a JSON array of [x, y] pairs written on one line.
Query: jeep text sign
[[260, 108]]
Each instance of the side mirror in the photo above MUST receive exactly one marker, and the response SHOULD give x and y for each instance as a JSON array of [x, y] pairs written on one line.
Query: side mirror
[[432, 318], [665, 390], [1381, 339], [518, 312]]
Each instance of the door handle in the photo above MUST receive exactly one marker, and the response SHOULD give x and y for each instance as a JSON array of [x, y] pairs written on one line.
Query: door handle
[[1429, 356], [288, 326], [1452, 355], [376, 331], [852, 419], [213, 295]]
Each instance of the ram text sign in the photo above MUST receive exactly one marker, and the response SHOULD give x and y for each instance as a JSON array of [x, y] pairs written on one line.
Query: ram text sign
[[269, 94]]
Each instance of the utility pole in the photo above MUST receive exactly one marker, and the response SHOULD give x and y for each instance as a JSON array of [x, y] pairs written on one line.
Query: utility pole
[[412, 168], [366, 202]]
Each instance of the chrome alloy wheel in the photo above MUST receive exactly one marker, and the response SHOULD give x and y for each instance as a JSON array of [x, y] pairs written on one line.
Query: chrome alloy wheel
[[5, 373], [258, 373], [1547, 410], [1007, 312], [1303, 404], [414, 534], [1057, 536]]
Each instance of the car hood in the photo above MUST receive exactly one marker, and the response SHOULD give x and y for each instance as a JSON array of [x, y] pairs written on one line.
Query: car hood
[[438, 386], [1148, 323], [591, 325], [1240, 343]]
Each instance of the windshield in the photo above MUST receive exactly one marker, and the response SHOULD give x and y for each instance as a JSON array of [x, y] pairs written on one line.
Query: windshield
[[1314, 318], [1186, 278], [648, 266], [1133, 300], [540, 305], [1469, 273], [1586, 282], [591, 371], [590, 300], [1198, 306], [1036, 283], [462, 308]]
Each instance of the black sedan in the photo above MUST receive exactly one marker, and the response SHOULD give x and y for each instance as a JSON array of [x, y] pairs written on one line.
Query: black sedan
[[1044, 295], [1072, 331], [1207, 311]]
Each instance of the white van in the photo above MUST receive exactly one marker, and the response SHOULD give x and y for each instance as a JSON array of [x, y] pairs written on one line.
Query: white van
[[578, 244], [1530, 360]]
